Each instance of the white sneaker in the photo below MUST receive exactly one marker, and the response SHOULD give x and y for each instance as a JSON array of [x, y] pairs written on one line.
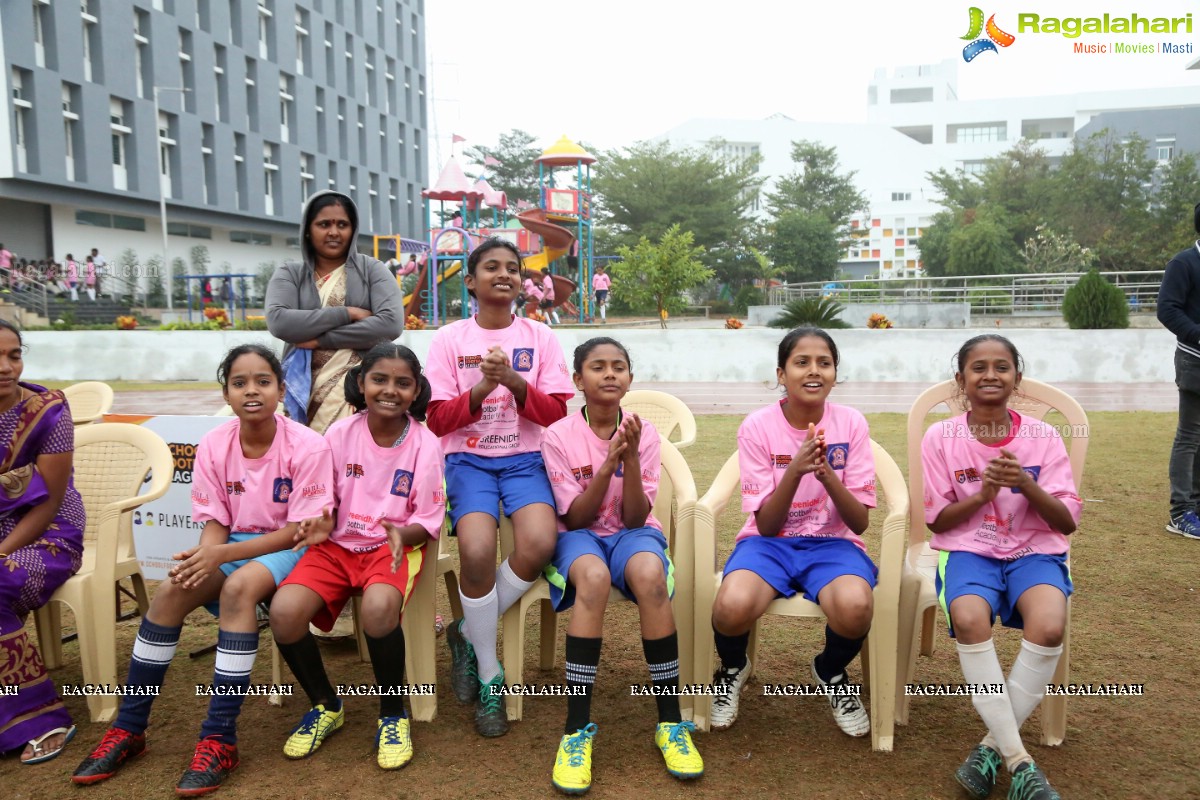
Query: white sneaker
[[848, 711], [725, 706]]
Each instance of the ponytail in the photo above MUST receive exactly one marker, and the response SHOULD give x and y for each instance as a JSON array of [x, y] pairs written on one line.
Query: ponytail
[[354, 395], [420, 403]]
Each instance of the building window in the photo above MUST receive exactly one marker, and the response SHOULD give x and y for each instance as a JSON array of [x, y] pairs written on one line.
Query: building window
[[266, 31], [330, 68], [287, 105], [390, 91], [143, 64], [343, 146], [91, 41], [43, 35], [220, 67], [321, 121], [333, 167], [307, 178], [369, 63], [72, 144], [204, 15], [120, 143], [252, 94], [194, 231], [167, 152], [250, 237], [207, 135], [270, 177], [900, 197], [241, 194], [23, 119], [235, 22], [97, 219], [974, 167], [187, 70], [983, 132], [303, 47], [373, 193], [350, 64], [362, 134], [383, 148], [1164, 147]]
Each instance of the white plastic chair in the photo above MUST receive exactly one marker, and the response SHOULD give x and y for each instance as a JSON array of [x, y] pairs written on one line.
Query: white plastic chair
[[879, 651], [667, 412], [675, 486], [918, 601], [89, 401], [111, 463]]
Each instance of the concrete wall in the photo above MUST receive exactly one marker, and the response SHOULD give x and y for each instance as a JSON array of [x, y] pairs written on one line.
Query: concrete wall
[[1128, 356], [904, 315]]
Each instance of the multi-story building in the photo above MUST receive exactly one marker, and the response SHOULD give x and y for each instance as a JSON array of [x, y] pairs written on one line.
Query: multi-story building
[[917, 124], [236, 111]]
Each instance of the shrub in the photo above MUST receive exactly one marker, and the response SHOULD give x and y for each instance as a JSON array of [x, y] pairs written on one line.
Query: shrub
[[819, 312], [1094, 303]]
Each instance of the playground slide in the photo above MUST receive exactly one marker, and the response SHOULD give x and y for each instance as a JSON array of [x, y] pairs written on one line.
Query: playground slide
[[412, 301], [558, 241]]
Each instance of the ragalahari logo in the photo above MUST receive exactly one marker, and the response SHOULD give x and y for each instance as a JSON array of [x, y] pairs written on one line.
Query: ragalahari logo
[[995, 36]]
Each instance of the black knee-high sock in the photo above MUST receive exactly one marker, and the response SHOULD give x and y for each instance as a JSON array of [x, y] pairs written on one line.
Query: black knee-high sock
[[731, 649], [583, 657], [304, 659], [839, 652], [387, 658], [662, 656]]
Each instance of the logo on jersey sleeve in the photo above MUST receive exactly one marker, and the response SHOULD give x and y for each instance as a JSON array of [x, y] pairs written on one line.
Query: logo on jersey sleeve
[[837, 454], [282, 490], [522, 359], [1033, 472], [354, 471], [402, 483], [781, 461], [583, 473], [234, 487], [966, 474]]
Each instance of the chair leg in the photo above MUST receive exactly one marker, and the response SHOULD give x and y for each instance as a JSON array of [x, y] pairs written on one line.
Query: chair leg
[[49, 628], [928, 628], [879, 673], [98, 653], [513, 653], [139, 590], [421, 657], [752, 648], [360, 637], [907, 647], [452, 592], [275, 698], [549, 635], [1054, 709]]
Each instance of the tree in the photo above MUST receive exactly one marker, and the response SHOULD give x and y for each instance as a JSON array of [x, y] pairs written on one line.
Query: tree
[[648, 188], [1047, 251], [1095, 303], [660, 273], [935, 243], [1172, 210], [817, 188], [804, 245], [983, 246]]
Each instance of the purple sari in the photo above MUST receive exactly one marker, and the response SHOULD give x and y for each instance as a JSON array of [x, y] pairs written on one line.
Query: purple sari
[[36, 426]]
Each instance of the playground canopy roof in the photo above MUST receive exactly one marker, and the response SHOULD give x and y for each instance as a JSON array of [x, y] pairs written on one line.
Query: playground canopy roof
[[565, 153], [493, 197], [452, 185]]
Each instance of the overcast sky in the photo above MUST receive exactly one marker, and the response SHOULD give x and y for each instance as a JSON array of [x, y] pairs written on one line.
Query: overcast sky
[[615, 71]]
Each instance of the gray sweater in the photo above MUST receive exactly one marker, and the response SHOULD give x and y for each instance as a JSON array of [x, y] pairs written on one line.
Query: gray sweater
[[295, 314]]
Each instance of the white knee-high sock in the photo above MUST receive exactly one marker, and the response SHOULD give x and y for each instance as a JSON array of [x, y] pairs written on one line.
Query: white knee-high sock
[[509, 587], [980, 666], [1031, 671], [479, 625]]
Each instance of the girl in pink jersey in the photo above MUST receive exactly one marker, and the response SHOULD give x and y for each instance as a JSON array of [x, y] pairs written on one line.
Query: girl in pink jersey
[[497, 381], [607, 536], [389, 502], [808, 480], [254, 479], [1000, 500], [600, 283]]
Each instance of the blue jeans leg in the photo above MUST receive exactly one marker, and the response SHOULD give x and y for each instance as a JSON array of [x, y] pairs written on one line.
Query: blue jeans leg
[[1184, 467]]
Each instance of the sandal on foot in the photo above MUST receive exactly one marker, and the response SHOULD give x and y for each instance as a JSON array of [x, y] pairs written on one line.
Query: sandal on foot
[[40, 754]]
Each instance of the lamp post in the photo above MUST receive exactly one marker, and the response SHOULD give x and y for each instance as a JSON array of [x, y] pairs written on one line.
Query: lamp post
[[162, 196]]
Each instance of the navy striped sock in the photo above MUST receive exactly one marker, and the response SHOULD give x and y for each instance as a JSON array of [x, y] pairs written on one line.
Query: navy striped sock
[[662, 656], [583, 657], [152, 653], [231, 677]]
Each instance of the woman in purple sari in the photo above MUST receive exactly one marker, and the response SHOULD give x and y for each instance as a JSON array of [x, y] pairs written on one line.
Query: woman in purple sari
[[41, 545]]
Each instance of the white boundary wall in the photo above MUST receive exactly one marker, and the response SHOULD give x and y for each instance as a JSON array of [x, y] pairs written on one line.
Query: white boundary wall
[[747, 355]]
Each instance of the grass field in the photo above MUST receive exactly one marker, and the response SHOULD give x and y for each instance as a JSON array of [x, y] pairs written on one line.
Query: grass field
[[1135, 620]]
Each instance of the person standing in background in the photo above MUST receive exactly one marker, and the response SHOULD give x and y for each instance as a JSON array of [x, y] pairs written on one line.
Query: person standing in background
[[1179, 311]]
